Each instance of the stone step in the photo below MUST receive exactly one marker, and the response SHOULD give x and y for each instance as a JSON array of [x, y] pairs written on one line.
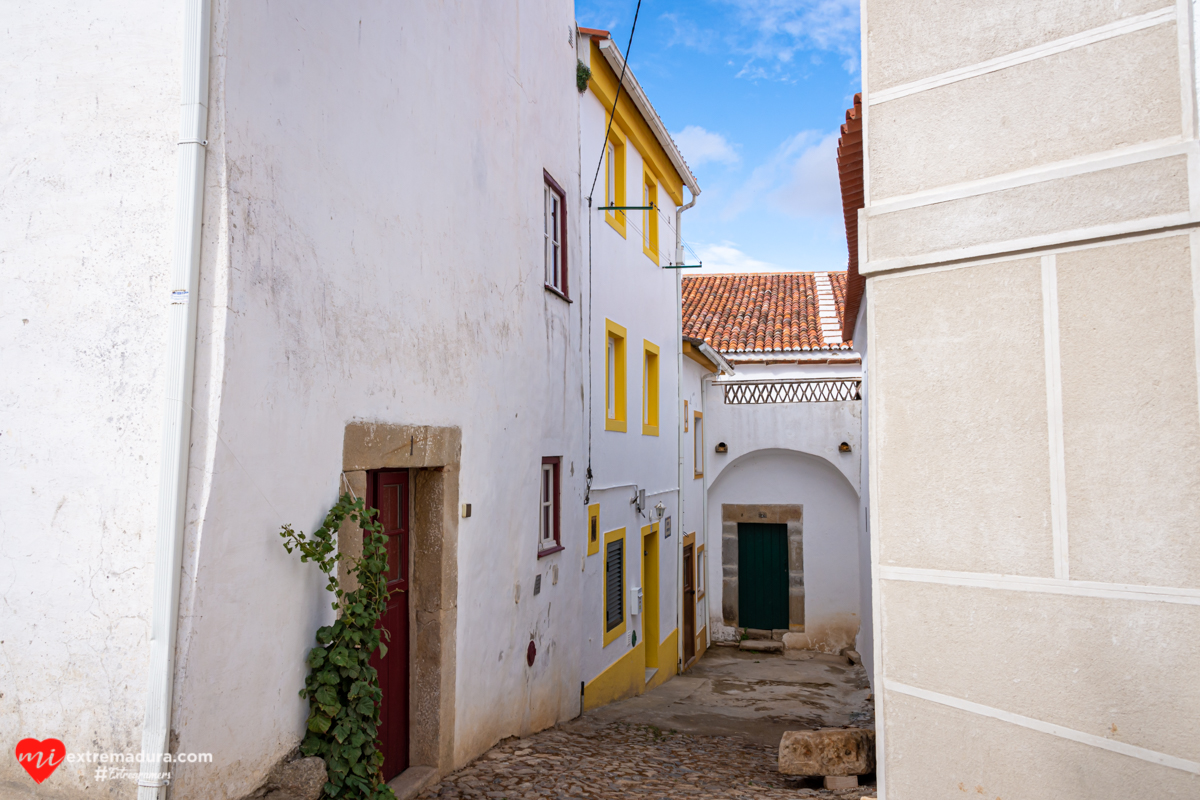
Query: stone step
[[761, 646]]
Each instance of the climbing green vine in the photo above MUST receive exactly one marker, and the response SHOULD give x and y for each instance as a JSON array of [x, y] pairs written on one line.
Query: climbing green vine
[[342, 687]]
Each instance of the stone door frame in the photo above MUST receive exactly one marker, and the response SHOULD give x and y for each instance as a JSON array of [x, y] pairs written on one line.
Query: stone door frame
[[779, 514], [433, 457]]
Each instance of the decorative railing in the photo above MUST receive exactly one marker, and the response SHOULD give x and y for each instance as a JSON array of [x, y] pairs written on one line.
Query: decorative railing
[[795, 390]]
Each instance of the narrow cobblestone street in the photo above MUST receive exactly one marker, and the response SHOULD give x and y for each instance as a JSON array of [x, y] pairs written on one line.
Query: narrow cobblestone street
[[620, 761], [712, 733]]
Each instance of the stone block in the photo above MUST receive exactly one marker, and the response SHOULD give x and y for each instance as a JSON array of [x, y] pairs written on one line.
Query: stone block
[[412, 782], [828, 751], [756, 633], [795, 640], [841, 781], [761, 646], [852, 656], [301, 779]]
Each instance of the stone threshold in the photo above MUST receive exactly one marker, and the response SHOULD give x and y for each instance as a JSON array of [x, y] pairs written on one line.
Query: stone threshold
[[412, 782]]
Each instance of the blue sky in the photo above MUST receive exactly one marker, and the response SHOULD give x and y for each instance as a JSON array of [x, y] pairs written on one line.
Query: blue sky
[[754, 92]]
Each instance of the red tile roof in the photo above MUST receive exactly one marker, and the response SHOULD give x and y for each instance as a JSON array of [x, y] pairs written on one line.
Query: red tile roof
[[759, 313], [850, 171]]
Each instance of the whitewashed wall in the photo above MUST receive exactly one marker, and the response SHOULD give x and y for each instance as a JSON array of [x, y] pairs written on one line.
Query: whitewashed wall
[[787, 453], [639, 295], [380, 196], [87, 138], [695, 393], [866, 634]]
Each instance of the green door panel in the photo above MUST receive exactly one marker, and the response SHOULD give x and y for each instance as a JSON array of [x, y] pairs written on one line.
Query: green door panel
[[762, 575]]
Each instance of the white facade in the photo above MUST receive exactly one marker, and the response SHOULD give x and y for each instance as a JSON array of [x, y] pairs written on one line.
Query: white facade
[[634, 291], [788, 453], [88, 136], [372, 253]]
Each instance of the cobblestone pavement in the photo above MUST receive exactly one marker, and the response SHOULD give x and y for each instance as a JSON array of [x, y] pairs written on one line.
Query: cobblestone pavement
[[623, 761]]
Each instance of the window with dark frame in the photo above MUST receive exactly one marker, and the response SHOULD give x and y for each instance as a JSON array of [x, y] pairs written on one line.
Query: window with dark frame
[[549, 538], [614, 584], [555, 235]]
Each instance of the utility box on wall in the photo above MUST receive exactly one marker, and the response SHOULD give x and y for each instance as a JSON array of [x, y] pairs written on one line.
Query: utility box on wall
[[635, 600]]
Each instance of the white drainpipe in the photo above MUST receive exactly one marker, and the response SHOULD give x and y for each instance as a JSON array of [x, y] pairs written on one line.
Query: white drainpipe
[[679, 410], [177, 412]]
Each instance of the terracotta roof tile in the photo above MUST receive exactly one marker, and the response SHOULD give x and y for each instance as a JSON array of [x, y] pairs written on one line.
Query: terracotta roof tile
[[850, 172], [759, 313]]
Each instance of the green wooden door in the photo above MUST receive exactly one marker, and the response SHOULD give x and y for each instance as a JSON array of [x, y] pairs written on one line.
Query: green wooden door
[[762, 575]]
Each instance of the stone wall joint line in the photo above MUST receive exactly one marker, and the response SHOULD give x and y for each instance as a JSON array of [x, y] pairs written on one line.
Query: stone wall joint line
[[1152, 756]]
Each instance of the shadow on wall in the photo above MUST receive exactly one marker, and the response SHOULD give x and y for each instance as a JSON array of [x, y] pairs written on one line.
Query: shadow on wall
[[830, 573]]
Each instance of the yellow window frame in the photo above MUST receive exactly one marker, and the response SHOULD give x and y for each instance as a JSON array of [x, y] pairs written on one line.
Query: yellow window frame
[[615, 393], [617, 632], [614, 179], [649, 388], [650, 217], [593, 534]]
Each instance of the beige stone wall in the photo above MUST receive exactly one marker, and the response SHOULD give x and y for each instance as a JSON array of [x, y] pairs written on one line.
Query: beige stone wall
[[1030, 241]]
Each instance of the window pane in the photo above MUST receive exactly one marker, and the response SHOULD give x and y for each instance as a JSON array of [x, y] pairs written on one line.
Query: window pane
[[645, 217], [610, 184], [646, 388], [610, 379]]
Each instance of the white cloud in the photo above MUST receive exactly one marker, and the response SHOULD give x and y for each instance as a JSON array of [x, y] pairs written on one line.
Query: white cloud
[[784, 27], [700, 146], [812, 188], [799, 179], [726, 257]]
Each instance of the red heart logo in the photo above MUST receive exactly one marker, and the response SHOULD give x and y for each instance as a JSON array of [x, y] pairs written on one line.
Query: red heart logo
[[40, 759]]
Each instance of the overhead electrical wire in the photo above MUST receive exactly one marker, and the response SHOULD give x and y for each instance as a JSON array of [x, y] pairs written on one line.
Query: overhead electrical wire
[[587, 496], [616, 99]]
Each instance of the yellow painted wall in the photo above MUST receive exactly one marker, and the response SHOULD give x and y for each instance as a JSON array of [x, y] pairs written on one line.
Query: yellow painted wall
[[626, 677], [603, 84], [668, 660]]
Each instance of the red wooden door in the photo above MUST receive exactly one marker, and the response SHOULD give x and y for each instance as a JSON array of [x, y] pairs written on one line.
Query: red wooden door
[[388, 492]]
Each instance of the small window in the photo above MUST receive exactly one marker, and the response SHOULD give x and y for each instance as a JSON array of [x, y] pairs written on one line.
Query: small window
[[614, 181], [698, 444], [650, 218], [614, 377], [593, 546], [549, 540], [554, 235], [649, 388], [614, 585]]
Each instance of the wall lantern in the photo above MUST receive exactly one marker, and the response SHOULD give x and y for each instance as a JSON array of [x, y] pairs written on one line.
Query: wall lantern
[[722, 447], [844, 447]]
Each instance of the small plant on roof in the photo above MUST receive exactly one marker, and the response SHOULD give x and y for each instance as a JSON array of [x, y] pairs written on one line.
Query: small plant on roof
[[583, 74]]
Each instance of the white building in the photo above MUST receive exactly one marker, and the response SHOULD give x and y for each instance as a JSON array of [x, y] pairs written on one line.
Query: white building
[[384, 272], [630, 632], [777, 448]]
